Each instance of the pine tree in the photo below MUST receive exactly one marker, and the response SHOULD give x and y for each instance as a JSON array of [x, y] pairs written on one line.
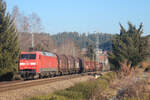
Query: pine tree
[[9, 50], [128, 46]]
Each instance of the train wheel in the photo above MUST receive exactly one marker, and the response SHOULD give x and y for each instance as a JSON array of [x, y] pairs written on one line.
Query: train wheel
[[61, 73], [36, 76], [40, 76], [25, 79]]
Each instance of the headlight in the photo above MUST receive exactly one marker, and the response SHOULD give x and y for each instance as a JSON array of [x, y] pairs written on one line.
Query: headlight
[[22, 63], [32, 63]]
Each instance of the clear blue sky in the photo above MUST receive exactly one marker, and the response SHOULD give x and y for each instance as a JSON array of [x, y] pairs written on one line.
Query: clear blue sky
[[86, 15]]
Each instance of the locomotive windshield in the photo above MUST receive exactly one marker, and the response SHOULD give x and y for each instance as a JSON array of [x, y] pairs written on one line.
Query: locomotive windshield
[[28, 56]]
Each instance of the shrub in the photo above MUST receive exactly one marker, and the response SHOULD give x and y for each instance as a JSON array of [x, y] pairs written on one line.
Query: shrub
[[86, 88], [7, 76], [70, 94]]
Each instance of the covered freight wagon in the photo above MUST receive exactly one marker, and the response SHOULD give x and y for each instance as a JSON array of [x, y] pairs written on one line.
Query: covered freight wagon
[[62, 64], [68, 64]]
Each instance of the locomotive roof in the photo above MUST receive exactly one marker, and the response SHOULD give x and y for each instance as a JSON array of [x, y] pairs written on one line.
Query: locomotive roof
[[43, 53], [48, 54]]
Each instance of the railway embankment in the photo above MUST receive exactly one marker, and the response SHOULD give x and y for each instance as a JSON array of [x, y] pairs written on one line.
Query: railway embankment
[[111, 86], [89, 90], [42, 89]]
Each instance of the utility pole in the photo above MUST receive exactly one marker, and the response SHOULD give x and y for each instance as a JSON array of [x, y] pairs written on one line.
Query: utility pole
[[32, 40], [97, 51], [73, 52], [103, 61]]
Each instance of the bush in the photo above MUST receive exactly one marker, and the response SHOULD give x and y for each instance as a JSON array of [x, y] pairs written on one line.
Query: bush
[[7, 77], [86, 88], [72, 95], [128, 47], [144, 98]]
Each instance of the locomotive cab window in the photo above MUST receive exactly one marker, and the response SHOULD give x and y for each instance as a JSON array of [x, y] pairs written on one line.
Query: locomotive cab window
[[28, 56]]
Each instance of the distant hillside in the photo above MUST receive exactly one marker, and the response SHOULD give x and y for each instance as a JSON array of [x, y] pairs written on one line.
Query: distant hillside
[[83, 40], [47, 42]]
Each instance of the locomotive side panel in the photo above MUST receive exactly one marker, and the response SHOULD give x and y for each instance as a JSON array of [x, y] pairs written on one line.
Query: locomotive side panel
[[48, 63]]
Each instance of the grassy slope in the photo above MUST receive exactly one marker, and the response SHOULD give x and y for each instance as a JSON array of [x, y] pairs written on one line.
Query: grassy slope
[[81, 91]]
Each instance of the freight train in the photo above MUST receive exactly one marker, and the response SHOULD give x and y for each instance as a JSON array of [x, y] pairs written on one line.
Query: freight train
[[39, 64]]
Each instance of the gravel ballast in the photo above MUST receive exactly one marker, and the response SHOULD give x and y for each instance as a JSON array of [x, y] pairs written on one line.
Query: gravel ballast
[[24, 93]]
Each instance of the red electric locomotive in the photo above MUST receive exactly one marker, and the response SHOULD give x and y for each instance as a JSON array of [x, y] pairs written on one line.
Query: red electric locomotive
[[37, 64]]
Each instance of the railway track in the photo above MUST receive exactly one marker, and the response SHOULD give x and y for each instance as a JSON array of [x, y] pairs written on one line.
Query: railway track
[[10, 82], [24, 84]]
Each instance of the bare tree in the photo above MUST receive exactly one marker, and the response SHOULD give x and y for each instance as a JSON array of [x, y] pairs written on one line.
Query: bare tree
[[35, 23], [15, 14], [17, 18], [20, 20], [45, 41], [35, 26], [25, 24], [68, 47]]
